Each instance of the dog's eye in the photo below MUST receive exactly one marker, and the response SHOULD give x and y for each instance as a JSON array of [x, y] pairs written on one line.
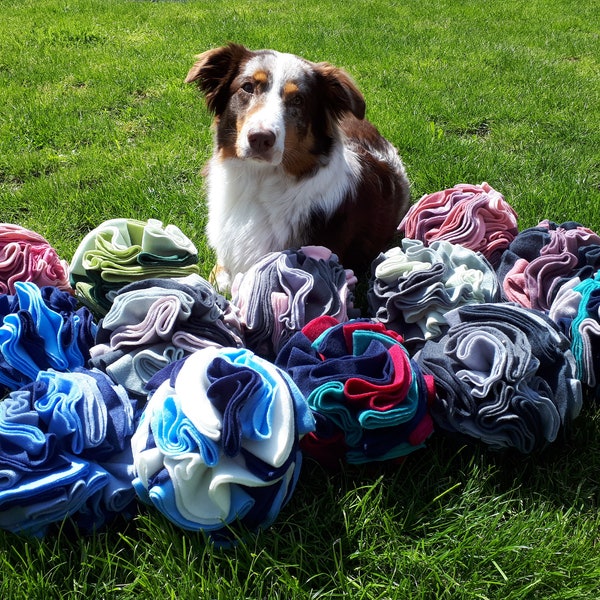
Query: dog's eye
[[297, 100], [248, 87]]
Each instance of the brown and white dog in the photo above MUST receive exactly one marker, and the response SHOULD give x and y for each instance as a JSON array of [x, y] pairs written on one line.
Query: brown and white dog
[[295, 163]]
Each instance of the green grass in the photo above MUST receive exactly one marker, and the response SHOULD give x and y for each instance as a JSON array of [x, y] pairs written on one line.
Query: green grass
[[96, 123]]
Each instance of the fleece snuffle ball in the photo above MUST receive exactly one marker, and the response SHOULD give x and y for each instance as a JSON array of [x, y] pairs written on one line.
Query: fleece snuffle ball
[[474, 216], [155, 322], [41, 328], [65, 451], [285, 290], [27, 256], [541, 259], [120, 251], [504, 375], [218, 442], [576, 310], [412, 286], [370, 400]]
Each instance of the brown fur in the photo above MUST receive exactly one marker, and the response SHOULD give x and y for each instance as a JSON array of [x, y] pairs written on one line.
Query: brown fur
[[333, 110]]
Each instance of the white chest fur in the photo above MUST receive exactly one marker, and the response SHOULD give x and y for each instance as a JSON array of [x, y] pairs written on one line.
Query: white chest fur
[[257, 208]]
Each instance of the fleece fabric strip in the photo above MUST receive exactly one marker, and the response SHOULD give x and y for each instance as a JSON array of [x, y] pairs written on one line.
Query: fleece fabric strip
[[120, 251], [41, 328], [285, 290], [542, 259], [576, 309], [504, 375], [413, 286], [27, 256], [65, 451], [369, 398], [217, 444], [474, 216], [154, 322]]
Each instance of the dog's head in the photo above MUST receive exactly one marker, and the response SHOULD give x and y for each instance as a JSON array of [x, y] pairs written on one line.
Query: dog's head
[[275, 108]]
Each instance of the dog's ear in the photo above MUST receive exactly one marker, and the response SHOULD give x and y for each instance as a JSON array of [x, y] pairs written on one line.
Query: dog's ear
[[340, 92], [214, 71]]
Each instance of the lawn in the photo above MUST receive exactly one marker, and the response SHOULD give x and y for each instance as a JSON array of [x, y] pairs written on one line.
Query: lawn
[[96, 123]]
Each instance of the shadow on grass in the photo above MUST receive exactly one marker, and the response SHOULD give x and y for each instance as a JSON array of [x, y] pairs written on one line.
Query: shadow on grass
[[440, 508]]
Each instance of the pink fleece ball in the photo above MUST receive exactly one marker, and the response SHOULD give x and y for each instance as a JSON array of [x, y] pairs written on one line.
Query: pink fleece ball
[[26, 256], [474, 216]]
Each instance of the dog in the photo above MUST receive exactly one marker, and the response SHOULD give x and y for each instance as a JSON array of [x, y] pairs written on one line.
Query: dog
[[295, 162]]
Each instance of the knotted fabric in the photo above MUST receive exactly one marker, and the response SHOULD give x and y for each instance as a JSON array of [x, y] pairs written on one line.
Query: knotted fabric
[[217, 444], [370, 400], [576, 309], [65, 451], [412, 286], [155, 322], [474, 216], [27, 256], [120, 251], [285, 290], [42, 328], [542, 259], [504, 375]]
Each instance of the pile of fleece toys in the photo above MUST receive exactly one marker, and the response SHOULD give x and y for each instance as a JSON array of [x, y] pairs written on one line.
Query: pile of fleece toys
[[126, 377]]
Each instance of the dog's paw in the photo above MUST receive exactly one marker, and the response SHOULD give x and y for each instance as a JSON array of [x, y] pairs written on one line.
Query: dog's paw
[[220, 279]]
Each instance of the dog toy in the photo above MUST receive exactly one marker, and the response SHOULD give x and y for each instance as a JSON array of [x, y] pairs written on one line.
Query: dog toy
[[26, 256], [413, 286], [474, 216], [369, 398], [120, 251], [65, 452], [543, 258], [155, 322], [285, 290], [504, 375], [41, 328], [216, 449]]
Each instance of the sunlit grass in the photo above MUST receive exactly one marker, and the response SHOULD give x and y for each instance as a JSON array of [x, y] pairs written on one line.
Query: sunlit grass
[[96, 123]]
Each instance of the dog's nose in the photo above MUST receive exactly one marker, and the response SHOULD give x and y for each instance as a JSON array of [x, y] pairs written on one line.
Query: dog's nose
[[261, 141]]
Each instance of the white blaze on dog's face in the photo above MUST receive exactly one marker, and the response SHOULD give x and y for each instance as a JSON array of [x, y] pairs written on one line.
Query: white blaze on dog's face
[[268, 96], [274, 108], [294, 161]]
